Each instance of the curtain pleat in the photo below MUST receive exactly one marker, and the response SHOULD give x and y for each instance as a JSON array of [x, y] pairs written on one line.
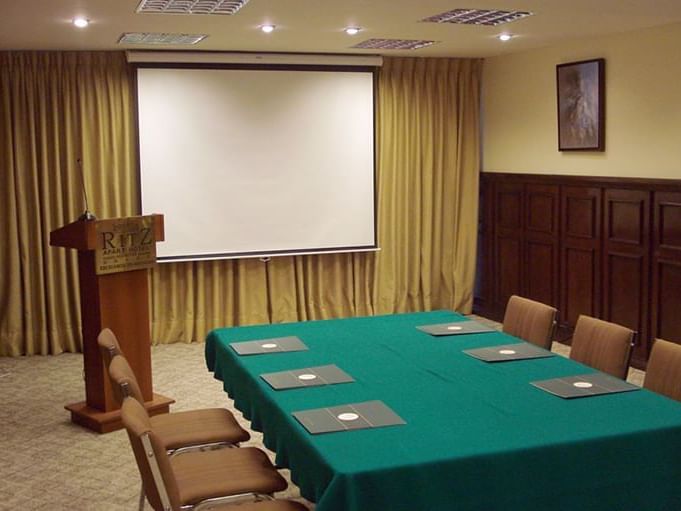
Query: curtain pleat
[[57, 108], [60, 107], [190, 299], [428, 153]]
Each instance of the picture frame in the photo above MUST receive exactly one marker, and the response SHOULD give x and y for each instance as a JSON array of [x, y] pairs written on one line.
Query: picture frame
[[581, 105]]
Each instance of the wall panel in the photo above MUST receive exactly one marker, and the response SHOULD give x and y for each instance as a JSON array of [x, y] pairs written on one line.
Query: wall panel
[[541, 243], [626, 248], [580, 252], [609, 248], [666, 255], [483, 281], [508, 242]]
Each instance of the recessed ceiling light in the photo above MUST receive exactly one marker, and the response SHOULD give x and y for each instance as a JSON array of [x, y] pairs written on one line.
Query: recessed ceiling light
[[505, 37], [352, 30], [267, 28], [81, 22]]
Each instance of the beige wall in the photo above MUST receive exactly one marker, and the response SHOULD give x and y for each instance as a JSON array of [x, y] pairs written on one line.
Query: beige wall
[[643, 108]]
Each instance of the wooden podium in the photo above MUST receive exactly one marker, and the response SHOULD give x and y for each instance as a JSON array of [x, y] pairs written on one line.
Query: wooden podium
[[119, 301]]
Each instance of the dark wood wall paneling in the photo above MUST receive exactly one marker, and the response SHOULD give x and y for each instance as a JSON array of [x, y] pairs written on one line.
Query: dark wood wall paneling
[[609, 248], [484, 271], [626, 248], [666, 266], [508, 241], [580, 252], [541, 248]]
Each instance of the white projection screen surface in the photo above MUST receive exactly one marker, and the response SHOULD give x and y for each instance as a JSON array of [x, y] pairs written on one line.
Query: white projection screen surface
[[257, 162]]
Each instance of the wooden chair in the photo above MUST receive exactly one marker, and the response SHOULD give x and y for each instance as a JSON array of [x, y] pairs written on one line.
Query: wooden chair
[[200, 478], [108, 346], [180, 431], [602, 345], [663, 374], [529, 320]]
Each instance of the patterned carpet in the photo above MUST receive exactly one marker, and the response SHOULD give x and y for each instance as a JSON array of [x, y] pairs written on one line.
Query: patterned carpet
[[47, 463]]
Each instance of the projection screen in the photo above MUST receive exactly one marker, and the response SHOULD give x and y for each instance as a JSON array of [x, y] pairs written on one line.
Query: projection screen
[[257, 162]]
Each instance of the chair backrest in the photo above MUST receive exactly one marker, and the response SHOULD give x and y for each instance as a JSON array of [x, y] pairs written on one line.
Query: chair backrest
[[663, 374], [529, 320], [158, 478], [122, 377], [602, 345], [108, 346]]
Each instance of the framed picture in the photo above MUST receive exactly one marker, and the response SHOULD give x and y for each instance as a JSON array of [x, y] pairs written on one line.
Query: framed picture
[[581, 105]]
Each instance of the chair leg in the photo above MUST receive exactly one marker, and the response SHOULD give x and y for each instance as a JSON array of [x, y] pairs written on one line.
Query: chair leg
[[140, 505]]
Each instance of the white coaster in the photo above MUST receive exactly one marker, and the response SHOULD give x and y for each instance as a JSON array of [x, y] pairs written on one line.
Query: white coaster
[[307, 377], [583, 384], [269, 345], [348, 416]]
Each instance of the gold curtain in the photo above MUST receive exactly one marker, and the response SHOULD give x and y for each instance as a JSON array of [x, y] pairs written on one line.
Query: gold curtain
[[428, 161], [58, 107], [190, 299]]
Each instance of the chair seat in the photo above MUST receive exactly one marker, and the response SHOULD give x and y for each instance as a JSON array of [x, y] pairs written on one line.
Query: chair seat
[[195, 427], [265, 505], [210, 474]]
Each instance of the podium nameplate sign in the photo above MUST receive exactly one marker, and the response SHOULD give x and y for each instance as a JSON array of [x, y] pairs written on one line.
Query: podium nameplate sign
[[125, 244]]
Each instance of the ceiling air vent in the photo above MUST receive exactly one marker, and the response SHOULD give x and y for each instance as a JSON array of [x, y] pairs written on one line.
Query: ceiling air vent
[[393, 44], [477, 17], [191, 6], [160, 38]]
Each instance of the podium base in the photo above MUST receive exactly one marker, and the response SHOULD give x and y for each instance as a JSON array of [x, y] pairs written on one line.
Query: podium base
[[105, 422]]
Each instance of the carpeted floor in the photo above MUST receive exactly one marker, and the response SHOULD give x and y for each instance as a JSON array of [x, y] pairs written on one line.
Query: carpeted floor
[[47, 463]]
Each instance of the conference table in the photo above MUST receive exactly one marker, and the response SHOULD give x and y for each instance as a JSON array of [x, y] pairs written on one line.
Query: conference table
[[478, 436]]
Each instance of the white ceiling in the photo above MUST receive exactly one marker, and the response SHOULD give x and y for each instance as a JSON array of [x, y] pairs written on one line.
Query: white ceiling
[[316, 25]]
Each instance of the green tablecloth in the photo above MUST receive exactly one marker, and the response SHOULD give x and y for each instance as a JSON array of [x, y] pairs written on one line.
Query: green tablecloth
[[478, 436]]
